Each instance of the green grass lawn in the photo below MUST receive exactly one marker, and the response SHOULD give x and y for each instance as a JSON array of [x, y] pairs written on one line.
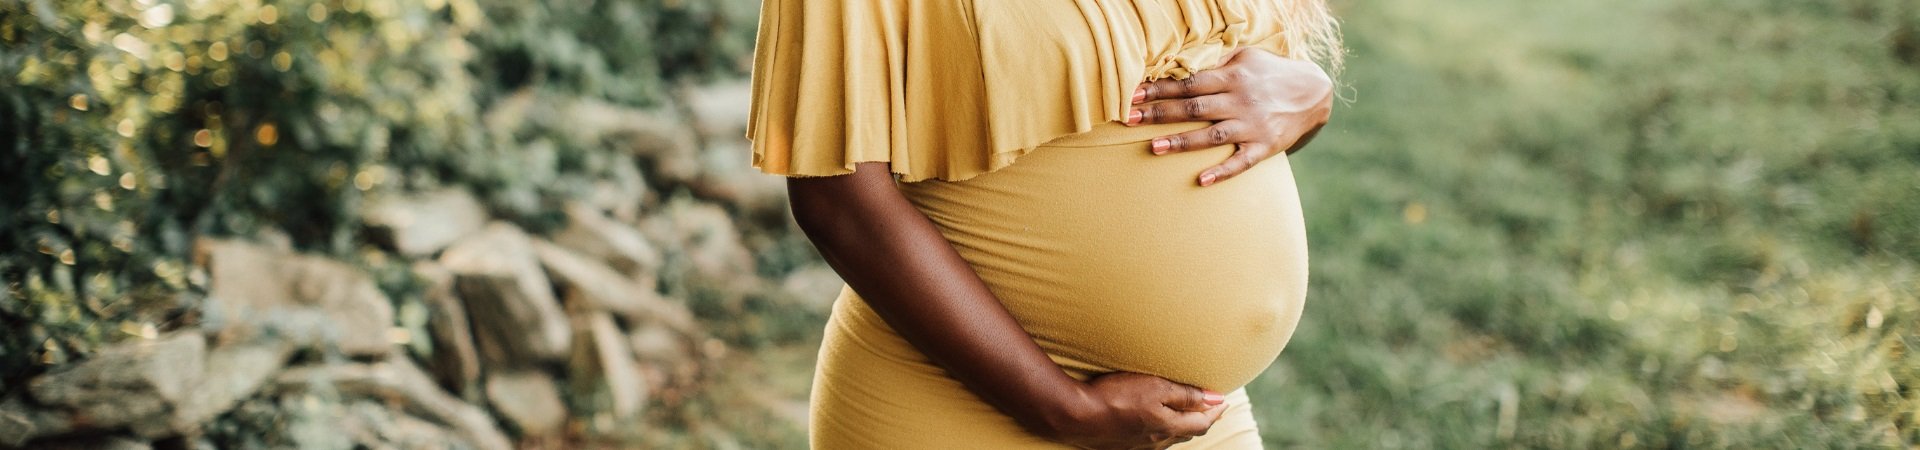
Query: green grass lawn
[[1636, 223], [1613, 224]]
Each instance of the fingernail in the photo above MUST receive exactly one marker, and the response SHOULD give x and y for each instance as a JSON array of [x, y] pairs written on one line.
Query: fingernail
[[1215, 398], [1133, 117], [1206, 179], [1139, 95], [1160, 146]]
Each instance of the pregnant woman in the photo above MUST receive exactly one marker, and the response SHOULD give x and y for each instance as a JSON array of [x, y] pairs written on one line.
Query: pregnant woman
[[1040, 251]]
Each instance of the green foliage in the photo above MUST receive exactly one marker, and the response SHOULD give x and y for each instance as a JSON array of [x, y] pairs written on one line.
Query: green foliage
[[135, 126]]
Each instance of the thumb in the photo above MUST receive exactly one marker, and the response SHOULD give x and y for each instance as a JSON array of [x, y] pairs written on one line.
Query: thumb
[[1196, 423], [1186, 398]]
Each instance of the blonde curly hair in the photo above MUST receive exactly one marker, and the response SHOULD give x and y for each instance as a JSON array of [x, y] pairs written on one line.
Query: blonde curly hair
[[1312, 33]]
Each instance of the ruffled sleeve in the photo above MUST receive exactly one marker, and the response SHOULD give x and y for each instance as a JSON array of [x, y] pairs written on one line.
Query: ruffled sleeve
[[937, 90], [953, 89], [825, 78]]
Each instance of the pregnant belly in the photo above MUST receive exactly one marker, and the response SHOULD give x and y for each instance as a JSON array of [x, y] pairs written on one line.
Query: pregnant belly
[[1114, 260]]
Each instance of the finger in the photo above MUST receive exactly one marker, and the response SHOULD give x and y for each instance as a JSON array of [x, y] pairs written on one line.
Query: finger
[[1223, 133], [1197, 109], [1241, 160], [1205, 82], [1196, 423], [1169, 443], [1214, 414], [1184, 398]]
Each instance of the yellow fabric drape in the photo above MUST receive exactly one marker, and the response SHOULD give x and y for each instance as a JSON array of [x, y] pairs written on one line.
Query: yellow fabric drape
[[951, 89]]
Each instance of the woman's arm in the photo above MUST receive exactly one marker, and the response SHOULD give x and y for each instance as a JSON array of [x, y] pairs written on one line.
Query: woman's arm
[[895, 258], [1265, 103]]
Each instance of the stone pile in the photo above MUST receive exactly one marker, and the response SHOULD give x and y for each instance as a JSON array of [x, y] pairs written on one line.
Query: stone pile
[[530, 334]]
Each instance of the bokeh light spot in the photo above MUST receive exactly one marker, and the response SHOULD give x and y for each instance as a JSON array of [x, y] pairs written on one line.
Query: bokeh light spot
[[98, 164], [267, 135]]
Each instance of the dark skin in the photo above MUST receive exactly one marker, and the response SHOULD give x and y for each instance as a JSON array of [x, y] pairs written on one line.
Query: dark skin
[[897, 260], [889, 252]]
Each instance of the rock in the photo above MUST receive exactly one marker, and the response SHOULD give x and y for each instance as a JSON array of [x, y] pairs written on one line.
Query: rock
[[233, 373], [255, 289], [594, 235], [418, 225], [663, 357], [719, 113], [132, 383], [815, 285], [598, 286], [661, 140], [351, 303], [659, 136], [93, 443], [656, 344], [455, 363], [720, 109], [399, 380], [21, 421], [728, 178], [374, 426], [274, 238], [529, 400], [516, 319], [156, 389], [703, 237], [602, 364], [408, 432], [620, 196], [654, 131]]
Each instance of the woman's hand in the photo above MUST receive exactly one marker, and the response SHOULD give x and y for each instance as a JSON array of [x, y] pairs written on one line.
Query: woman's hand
[[1135, 411], [1265, 103]]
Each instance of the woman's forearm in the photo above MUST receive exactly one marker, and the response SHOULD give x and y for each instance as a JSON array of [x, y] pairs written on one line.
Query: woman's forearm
[[895, 258]]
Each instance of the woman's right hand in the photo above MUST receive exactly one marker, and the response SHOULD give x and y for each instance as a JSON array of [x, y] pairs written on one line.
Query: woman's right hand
[[1125, 410]]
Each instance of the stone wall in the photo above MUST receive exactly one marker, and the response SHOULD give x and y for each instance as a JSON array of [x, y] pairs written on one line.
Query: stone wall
[[547, 339]]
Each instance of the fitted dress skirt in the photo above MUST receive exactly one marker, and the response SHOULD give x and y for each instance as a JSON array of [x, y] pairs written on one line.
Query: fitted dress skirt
[[1113, 260]]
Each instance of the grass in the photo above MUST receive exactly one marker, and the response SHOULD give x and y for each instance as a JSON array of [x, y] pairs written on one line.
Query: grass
[[1613, 224], [1639, 223]]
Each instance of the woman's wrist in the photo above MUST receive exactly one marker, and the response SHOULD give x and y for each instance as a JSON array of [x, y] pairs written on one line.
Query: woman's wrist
[[1060, 410]]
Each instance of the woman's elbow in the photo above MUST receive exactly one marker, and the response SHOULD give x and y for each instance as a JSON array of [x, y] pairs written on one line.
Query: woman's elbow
[[809, 205]]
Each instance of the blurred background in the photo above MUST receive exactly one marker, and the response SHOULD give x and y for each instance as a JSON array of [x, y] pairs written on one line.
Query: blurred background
[[493, 224]]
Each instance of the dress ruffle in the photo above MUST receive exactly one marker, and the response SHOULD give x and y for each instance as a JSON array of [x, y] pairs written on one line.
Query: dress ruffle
[[951, 89]]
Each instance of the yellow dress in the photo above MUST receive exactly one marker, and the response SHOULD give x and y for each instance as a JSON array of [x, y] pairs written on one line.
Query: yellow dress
[[1000, 119]]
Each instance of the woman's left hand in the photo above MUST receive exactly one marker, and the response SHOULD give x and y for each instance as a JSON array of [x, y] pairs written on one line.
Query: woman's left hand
[[1262, 102]]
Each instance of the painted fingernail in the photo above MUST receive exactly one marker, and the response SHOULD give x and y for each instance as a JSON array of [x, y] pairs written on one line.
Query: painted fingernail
[[1133, 117], [1206, 179], [1139, 95], [1160, 146], [1215, 398]]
